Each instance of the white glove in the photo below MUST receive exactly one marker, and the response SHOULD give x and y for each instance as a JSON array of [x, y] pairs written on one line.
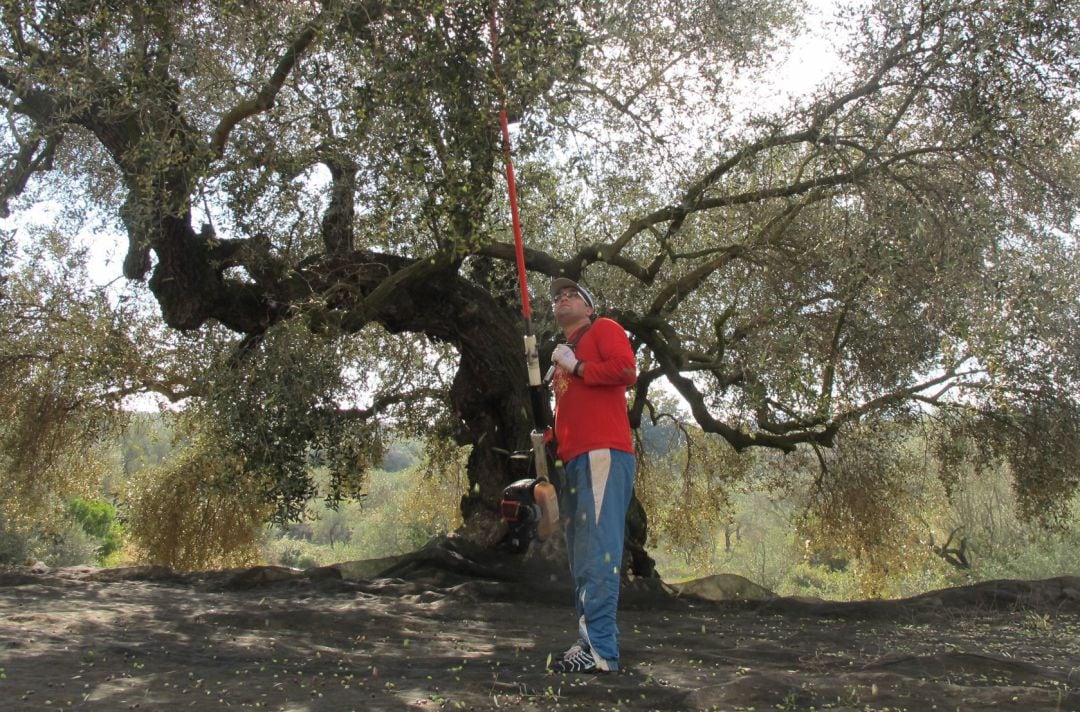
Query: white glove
[[564, 356]]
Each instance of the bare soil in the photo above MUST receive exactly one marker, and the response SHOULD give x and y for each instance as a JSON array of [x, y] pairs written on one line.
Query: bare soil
[[455, 628]]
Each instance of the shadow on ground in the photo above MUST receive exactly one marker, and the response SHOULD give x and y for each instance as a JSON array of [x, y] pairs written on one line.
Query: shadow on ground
[[452, 627]]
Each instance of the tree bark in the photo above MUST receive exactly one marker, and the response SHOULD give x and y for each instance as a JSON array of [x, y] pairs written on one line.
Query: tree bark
[[491, 397], [489, 392]]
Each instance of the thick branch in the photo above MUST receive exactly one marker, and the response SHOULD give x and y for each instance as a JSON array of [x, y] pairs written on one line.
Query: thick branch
[[28, 161], [264, 99], [337, 221], [384, 401]]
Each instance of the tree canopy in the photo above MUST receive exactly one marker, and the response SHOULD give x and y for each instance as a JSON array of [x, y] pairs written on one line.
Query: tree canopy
[[313, 190]]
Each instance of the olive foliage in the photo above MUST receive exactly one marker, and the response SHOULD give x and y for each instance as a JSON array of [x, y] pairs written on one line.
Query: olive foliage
[[64, 360]]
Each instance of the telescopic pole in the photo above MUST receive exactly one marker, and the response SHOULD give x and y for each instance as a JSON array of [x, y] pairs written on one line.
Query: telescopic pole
[[544, 492]]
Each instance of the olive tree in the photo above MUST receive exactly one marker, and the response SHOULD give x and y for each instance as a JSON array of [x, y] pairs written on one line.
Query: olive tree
[[328, 173]]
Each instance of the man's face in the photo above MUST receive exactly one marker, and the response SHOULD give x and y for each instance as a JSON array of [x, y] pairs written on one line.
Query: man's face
[[570, 307]]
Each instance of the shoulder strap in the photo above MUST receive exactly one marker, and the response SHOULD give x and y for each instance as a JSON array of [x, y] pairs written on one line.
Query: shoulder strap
[[572, 343]]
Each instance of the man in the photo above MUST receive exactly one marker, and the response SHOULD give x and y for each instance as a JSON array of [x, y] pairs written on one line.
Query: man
[[593, 369]]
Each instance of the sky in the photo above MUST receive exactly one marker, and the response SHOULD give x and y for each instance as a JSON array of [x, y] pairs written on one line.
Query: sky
[[807, 62]]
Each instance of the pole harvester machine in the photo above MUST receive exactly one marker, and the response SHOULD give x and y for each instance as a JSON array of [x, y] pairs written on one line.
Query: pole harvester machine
[[529, 506]]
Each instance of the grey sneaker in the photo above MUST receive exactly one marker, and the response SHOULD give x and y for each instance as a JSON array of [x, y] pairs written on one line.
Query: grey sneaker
[[574, 649], [577, 659]]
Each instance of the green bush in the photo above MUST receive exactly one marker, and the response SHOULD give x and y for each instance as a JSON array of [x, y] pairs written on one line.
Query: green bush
[[296, 554], [98, 520], [66, 545], [821, 581], [71, 546], [15, 547]]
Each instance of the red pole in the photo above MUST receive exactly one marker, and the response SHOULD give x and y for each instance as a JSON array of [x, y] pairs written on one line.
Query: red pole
[[515, 218], [543, 491]]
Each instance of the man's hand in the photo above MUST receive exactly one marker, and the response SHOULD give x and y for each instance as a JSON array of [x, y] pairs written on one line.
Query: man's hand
[[563, 356]]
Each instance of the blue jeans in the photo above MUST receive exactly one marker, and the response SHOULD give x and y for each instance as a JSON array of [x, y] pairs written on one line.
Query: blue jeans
[[599, 485]]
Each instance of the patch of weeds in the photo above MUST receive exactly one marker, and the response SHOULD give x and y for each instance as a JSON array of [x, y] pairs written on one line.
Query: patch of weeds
[[790, 702], [1038, 624]]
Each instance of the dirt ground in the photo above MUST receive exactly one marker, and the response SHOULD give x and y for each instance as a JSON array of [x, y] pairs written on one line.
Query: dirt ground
[[447, 630]]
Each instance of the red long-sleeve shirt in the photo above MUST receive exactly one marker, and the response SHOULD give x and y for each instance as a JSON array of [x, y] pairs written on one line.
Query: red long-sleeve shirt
[[590, 412]]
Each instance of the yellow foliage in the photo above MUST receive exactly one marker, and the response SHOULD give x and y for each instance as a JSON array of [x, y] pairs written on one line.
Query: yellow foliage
[[199, 510], [686, 494], [435, 500], [46, 472], [869, 503]]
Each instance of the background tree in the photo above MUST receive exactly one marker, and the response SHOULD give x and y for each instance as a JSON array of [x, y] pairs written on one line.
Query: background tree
[[902, 240]]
